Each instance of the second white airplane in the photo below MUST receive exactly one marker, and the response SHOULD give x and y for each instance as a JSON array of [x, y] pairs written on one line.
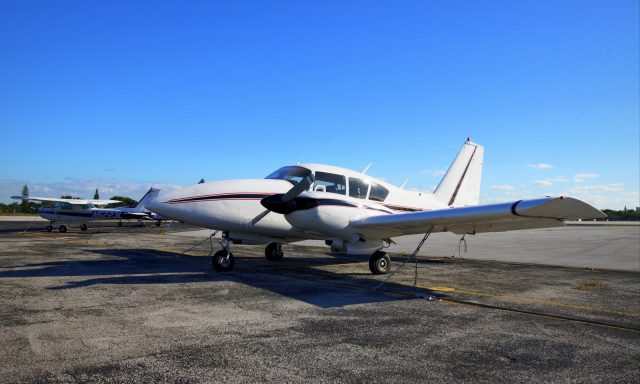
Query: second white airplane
[[352, 212]]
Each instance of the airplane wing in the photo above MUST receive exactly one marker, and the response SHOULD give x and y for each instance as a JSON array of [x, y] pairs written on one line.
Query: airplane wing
[[521, 214], [70, 201]]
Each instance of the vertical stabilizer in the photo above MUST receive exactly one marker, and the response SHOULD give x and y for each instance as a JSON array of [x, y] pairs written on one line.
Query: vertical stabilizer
[[151, 193], [461, 184]]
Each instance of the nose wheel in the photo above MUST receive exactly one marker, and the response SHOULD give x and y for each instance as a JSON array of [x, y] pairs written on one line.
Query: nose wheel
[[223, 260], [274, 251]]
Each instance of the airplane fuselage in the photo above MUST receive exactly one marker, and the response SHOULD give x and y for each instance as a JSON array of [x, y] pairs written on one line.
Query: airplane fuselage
[[336, 197], [83, 214]]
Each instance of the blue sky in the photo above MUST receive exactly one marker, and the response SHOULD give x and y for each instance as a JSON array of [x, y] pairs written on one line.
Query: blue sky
[[121, 95]]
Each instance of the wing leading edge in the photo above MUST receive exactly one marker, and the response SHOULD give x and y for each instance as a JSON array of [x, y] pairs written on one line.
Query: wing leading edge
[[521, 214]]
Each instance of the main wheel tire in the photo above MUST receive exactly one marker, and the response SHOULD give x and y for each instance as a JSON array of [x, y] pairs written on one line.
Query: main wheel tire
[[223, 262], [158, 223], [62, 228], [273, 251], [379, 263], [119, 223], [49, 228], [83, 227]]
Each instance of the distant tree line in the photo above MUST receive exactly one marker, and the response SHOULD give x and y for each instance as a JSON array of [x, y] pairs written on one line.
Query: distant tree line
[[623, 215]]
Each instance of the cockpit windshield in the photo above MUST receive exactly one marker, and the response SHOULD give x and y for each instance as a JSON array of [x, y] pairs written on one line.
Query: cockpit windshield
[[292, 174]]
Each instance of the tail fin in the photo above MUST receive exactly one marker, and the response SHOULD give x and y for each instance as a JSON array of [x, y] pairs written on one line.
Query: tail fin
[[151, 193], [461, 184]]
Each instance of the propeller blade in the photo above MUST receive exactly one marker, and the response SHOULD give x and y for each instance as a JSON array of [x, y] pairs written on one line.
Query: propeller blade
[[256, 219], [300, 187]]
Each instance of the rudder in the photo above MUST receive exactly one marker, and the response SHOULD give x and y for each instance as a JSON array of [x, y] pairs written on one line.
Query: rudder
[[460, 186]]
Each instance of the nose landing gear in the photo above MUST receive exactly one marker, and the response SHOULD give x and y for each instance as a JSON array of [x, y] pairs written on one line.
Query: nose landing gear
[[223, 260], [274, 251]]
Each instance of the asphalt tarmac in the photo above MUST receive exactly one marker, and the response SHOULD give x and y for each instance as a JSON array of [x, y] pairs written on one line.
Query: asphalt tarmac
[[135, 305]]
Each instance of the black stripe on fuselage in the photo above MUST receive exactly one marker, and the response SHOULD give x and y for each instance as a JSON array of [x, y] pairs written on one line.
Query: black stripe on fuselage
[[402, 208], [228, 196], [306, 202], [95, 214]]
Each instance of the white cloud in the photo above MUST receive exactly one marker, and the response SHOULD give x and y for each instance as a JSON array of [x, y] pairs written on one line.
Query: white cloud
[[542, 183], [502, 187], [616, 187], [580, 177], [550, 181], [540, 166]]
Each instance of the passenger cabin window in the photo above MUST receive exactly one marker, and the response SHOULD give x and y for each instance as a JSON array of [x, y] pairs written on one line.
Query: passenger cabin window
[[378, 192], [62, 205], [358, 188], [291, 174], [332, 183]]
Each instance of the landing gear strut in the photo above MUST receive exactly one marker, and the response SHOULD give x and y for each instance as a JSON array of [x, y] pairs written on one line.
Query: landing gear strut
[[379, 263], [274, 251], [223, 260]]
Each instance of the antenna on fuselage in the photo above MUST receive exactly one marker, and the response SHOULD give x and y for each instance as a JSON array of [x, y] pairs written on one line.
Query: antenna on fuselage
[[405, 183], [366, 168]]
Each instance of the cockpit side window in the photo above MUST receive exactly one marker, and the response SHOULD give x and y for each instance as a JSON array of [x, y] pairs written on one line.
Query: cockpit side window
[[378, 192], [62, 205], [292, 174], [332, 183], [358, 188]]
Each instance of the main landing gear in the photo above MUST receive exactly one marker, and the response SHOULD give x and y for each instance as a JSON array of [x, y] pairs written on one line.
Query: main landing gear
[[379, 263], [62, 228], [84, 227]]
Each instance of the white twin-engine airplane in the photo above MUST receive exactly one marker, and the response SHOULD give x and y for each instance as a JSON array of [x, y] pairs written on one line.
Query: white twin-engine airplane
[[82, 211], [352, 212]]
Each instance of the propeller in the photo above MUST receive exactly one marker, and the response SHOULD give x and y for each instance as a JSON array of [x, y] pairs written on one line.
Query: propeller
[[287, 202]]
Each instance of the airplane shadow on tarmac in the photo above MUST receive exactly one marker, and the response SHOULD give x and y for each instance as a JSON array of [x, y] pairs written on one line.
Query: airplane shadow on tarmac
[[293, 277]]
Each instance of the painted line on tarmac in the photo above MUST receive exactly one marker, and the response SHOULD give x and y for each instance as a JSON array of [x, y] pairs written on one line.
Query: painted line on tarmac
[[532, 301], [533, 313]]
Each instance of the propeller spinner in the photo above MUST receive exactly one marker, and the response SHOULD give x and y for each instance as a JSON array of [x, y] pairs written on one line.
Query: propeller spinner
[[288, 202]]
